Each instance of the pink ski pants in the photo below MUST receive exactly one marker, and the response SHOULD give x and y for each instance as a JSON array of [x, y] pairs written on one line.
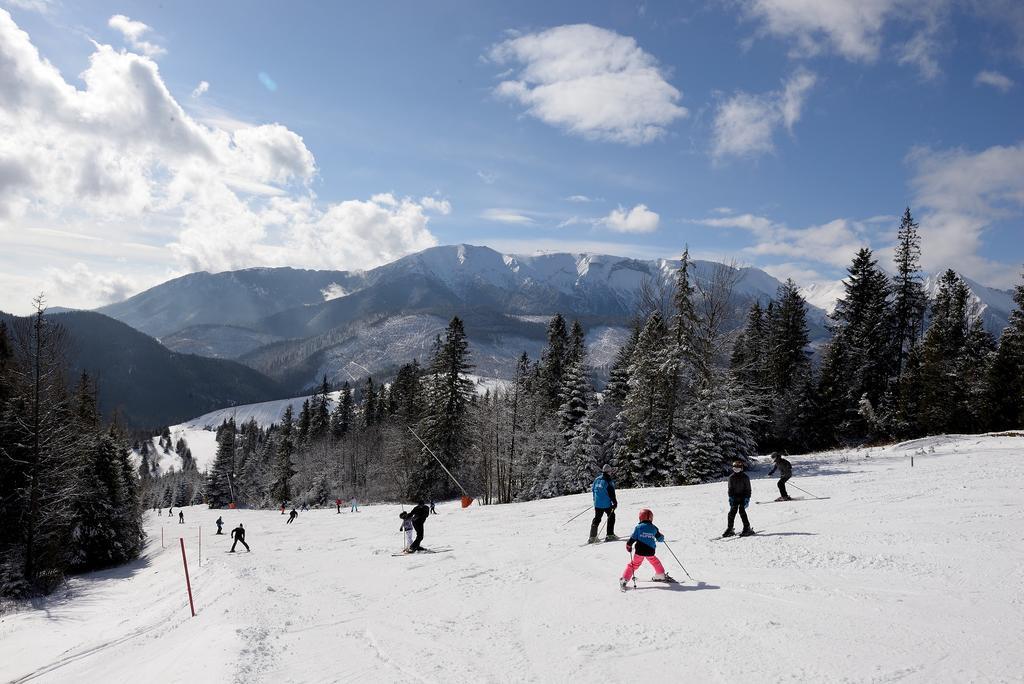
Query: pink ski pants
[[637, 561]]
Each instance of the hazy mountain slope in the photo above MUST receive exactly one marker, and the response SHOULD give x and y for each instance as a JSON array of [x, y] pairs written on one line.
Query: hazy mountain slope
[[149, 384], [232, 297]]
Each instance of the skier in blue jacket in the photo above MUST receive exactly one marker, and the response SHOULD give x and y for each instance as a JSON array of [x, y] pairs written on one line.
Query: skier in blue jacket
[[645, 539], [605, 503]]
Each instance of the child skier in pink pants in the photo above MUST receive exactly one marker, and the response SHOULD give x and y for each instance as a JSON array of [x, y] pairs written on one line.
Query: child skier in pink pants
[[645, 538]]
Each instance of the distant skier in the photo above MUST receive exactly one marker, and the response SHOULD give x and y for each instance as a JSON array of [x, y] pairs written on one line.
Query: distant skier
[[337, 502], [181, 517], [433, 511], [238, 534], [605, 503], [739, 499], [304, 507], [220, 525], [170, 511], [785, 469], [355, 506], [408, 528], [292, 516], [645, 538], [160, 512], [282, 508], [418, 515]]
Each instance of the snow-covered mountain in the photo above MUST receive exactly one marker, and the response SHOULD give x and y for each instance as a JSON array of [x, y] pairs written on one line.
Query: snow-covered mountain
[[297, 326]]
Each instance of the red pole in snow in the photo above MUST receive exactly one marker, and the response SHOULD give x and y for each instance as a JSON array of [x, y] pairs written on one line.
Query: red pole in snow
[[188, 585], [162, 537]]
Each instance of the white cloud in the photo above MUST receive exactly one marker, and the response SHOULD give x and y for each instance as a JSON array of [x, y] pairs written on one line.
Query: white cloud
[[201, 89], [745, 124], [997, 80], [487, 177], [583, 199], [41, 6], [963, 194], [119, 159], [506, 216], [589, 81], [639, 219], [133, 31], [79, 286]]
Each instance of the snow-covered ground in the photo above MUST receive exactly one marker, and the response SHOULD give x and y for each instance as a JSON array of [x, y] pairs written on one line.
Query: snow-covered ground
[[909, 574]]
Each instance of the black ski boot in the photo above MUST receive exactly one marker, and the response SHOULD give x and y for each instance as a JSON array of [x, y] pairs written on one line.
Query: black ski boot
[[729, 533], [746, 532]]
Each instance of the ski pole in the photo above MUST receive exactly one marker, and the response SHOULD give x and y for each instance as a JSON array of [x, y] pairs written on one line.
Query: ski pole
[[804, 491], [576, 516], [677, 558], [632, 557]]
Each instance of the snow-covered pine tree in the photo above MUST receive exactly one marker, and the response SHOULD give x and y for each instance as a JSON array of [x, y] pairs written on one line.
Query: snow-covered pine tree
[[575, 399], [219, 481], [909, 301], [857, 361], [445, 423], [320, 412], [284, 469], [302, 427], [644, 455], [552, 361]]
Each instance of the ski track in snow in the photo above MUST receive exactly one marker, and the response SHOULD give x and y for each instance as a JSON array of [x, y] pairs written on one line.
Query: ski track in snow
[[904, 574]]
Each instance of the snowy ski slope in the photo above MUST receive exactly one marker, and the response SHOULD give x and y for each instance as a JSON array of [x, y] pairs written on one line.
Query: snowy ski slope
[[904, 574]]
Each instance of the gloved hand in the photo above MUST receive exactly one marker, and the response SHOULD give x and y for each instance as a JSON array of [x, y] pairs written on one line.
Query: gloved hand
[[614, 505], [629, 546], [660, 537]]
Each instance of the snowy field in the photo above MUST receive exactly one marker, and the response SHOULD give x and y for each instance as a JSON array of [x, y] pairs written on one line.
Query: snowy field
[[903, 574]]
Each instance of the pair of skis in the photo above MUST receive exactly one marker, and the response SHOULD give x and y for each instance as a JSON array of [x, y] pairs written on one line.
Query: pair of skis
[[795, 498], [422, 550], [668, 580]]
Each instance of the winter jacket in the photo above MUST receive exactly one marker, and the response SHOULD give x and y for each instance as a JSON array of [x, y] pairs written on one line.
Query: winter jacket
[[406, 525], [419, 513], [739, 486], [646, 537], [604, 492], [238, 533], [784, 467]]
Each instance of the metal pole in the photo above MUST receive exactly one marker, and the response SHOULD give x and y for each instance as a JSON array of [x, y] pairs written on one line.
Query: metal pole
[[676, 557], [805, 491], [188, 584], [200, 546], [576, 516], [438, 461]]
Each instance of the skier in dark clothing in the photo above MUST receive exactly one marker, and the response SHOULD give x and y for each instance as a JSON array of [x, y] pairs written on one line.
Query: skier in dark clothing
[[238, 534], [418, 515], [605, 503], [337, 504], [785, 469], [220, 525], [291, 516], [739, 499], [181, 517]]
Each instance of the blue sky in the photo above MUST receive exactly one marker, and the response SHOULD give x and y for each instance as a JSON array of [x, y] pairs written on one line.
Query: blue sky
[[778, 133]]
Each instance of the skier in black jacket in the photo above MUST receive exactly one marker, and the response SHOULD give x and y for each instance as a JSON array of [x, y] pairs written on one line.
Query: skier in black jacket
[[418, 515], [739, 499], [785, 469], [220, 525], [238, 534]]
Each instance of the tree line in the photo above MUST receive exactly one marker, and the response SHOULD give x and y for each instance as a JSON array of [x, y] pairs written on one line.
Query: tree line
[[69, 493]]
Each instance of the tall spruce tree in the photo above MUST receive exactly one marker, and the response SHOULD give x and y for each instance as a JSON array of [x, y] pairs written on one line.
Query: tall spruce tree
[[344, 413], [909, 300], [553, 361], [284, 469], [446, 423], [219, 487]]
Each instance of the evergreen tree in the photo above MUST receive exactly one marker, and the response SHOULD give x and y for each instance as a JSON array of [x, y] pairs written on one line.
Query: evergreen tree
[[302, 429], [575, 398], [284, 469], [342, 418], [320, 412], [909, 299], [856, 366], [445, 425], [219, 487], [369, 404], [553, 361], [1006, 375]]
